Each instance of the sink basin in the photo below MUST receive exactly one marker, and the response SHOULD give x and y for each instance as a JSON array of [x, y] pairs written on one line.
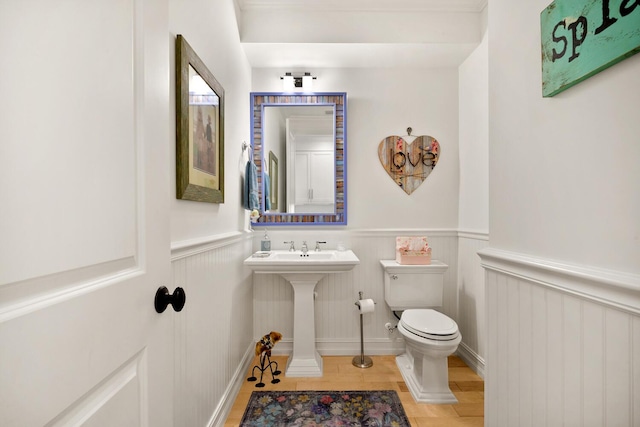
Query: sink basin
[[281, 261], [303, 271]]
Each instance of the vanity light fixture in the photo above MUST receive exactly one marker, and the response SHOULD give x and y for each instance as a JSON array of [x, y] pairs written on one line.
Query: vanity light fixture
[[297, 83], [287, 82], [307, 82]]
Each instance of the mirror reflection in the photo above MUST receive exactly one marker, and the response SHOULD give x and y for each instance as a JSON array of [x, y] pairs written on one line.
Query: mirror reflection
[[303, 137], [299, 150], [203, 111]]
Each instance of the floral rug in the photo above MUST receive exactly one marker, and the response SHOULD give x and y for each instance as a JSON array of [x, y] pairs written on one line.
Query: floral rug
[[324, 408]]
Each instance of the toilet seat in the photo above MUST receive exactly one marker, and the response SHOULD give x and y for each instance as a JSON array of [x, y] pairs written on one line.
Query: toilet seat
[[429, 324]]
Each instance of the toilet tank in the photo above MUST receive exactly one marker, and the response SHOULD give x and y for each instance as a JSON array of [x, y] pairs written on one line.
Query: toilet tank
[[413, 286]]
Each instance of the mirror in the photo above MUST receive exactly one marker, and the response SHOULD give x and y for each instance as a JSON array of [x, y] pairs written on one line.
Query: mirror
[[302, 181]]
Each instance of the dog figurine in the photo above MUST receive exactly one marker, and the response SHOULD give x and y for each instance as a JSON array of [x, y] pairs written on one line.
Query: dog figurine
[[267, 342], [263, 348]]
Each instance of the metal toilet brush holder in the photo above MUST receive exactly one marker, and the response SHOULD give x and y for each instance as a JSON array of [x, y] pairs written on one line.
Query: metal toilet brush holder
[[361, 361]]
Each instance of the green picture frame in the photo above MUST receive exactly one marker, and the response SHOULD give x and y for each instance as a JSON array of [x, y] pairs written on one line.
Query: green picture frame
[[274, 180], [199, 129]]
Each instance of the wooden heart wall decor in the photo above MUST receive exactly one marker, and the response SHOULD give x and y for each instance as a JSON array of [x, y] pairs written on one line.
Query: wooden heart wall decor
[[409, 163]]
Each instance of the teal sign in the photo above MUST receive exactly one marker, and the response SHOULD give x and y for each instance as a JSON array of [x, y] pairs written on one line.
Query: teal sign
[[583, 37]]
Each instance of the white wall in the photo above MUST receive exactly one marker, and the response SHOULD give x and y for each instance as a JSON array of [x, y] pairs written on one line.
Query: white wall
[[214, 331], [563, 282], [473, 212], [210, 28], [564, 173], [383, 102]]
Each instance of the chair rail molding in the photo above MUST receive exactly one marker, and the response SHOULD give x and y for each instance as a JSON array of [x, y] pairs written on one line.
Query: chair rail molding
[[187, 248], [613, 288]]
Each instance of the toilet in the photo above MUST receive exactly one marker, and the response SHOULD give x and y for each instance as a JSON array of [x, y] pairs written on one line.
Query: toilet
[[430, 336]]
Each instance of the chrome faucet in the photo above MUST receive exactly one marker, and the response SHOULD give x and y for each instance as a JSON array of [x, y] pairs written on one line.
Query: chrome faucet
[[318, 245], [292, 248], [304, 247]]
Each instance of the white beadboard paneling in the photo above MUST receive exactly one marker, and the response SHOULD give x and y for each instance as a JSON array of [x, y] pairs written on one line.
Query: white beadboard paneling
[[617, 368], [272, 306], [513, 344], [502, 350], [492, 391], [525, 349], [540, 361], [211, 336], [557, 355], [593, 345], [572, 379], [470, 295], [554, 391], [635, 369], [612, 288]]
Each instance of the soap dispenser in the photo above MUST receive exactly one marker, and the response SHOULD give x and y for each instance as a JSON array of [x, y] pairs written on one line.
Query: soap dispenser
[[265, 244]]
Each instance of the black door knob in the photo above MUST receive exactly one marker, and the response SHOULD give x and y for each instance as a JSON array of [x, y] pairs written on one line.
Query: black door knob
[[164, 298]]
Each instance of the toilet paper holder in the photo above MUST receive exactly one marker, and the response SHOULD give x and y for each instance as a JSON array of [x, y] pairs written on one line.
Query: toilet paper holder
[[360, 299], [362, 361]]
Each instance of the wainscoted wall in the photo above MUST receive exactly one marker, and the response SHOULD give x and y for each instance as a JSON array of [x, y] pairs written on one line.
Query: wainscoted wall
[[214, 331], [563, 344], [471, 306], [337, 317], [214, 337]]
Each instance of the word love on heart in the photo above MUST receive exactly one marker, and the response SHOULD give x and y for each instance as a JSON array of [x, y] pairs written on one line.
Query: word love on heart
[[409, 163]]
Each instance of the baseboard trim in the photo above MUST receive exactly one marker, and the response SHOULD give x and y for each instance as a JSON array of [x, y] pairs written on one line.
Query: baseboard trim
[[471, 358], [374, 348], [379, 347], [227, 400]]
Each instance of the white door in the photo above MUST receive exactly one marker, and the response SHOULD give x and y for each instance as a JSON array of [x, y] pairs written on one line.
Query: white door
[[84, 217], [301, 183], [313, 185], [321, 179]]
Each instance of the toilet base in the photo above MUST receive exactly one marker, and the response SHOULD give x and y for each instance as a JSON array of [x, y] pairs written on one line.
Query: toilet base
[[433, 387]]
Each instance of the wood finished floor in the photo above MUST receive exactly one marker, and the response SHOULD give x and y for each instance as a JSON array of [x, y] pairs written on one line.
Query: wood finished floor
[[340, 374]]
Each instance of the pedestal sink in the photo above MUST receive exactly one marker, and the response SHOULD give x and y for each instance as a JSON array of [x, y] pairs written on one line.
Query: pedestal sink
[[303, 271]]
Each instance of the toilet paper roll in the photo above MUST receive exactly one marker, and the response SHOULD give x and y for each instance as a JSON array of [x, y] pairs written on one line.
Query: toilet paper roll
[[366, 305]]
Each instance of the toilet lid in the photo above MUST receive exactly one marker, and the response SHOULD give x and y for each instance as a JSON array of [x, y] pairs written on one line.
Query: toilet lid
[[429, 324]]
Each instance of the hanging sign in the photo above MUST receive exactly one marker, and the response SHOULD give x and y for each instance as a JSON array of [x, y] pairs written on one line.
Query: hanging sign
[[409, 163], [583, 37]]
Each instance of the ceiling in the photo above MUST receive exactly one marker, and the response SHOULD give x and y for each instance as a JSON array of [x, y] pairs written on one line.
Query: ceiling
[[359, 33]]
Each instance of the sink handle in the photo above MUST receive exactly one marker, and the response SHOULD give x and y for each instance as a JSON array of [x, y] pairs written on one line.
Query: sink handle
[[318, 245], [292, 248]]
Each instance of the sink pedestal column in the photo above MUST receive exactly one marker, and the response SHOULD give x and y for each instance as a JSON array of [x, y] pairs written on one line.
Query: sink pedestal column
[[305, 361]]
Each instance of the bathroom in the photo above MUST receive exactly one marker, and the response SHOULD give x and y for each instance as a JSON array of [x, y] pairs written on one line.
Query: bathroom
[[544, 188]]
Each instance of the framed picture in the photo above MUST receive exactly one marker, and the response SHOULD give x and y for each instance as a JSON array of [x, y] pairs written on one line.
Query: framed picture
[[199, 129], [273, 182]]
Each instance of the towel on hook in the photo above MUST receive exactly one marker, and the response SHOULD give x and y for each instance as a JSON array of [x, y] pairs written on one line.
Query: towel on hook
[[250, 199], [267, 192]]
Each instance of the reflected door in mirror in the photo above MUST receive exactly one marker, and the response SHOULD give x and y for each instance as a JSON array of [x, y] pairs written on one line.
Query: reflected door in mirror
[[314, 187]]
